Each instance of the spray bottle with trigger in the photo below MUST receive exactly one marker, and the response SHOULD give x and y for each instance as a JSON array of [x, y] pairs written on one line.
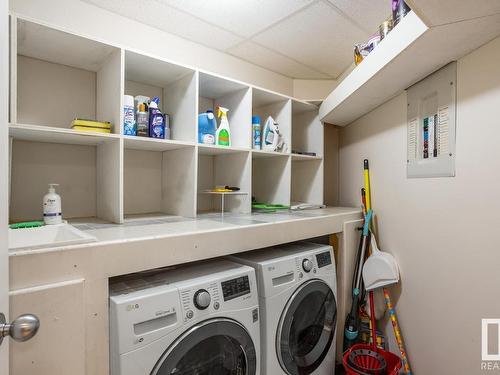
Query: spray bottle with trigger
[[223, 134]]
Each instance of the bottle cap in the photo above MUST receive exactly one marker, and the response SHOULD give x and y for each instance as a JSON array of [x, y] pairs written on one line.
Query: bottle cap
[[255, 120]]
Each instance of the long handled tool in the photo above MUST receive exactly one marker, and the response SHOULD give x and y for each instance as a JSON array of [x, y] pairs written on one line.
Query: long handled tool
[[351, 327], [392, 311]]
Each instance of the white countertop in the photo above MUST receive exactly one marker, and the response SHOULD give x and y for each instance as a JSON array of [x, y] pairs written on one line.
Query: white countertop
[[163, 226]]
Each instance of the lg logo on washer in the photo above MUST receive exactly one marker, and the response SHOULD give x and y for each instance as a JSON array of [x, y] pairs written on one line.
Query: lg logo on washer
[[490, 344], [132, 306]]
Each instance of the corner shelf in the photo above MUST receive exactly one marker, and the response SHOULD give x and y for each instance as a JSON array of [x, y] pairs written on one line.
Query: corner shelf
[[408, 54]]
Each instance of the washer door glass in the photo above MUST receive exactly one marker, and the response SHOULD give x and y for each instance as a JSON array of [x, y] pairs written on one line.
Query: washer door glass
[[218, 346], [306, 328]]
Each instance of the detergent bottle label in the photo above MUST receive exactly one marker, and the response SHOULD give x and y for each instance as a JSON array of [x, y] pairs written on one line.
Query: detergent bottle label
[[224, 138]]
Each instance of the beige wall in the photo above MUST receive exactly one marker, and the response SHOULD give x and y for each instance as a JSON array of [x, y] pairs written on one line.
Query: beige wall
[[85, 19], [310, 89], [441, 230]]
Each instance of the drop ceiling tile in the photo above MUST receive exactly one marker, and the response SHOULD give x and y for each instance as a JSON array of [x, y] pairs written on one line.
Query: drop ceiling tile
[[318, 36], [163, 17], [243, 17], [258, 55], [369, 14]]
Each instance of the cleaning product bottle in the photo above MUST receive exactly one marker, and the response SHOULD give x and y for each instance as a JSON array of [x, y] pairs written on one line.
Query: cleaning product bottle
[[142, 121], [256, 133], [223, 134], [52, 212], [129, 124], [270, 135], [207, 127], [156, 120]]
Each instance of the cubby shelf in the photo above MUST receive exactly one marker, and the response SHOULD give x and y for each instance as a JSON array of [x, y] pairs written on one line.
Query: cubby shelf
[[410, 52], [268, 154], [300, 157], [57, 76], [48, 134], [153, 144]]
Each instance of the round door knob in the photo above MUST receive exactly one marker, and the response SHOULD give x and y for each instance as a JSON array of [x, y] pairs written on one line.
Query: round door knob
[[202, 299], [23, 328], [307, 265]]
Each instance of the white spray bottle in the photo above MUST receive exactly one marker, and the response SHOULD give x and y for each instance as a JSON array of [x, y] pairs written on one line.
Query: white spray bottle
[[52, 212], [223, 134]]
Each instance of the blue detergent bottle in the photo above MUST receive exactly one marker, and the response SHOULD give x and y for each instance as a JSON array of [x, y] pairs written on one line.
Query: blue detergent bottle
[[207, 126]]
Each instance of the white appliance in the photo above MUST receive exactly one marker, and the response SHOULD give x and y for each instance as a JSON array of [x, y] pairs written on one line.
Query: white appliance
[[199, 319], [297, 298]]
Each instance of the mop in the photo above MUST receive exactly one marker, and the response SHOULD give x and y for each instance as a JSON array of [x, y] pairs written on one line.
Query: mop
[[389, 275]]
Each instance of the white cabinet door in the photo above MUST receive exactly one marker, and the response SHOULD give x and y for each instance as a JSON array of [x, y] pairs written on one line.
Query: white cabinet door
[[4, 149]]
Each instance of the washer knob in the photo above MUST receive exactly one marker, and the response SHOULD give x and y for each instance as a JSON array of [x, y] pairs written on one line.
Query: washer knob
[[202, 299], [307, 265]]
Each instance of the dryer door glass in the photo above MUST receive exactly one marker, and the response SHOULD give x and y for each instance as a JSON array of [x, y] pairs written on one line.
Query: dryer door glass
[[217, 346], [307, 327]]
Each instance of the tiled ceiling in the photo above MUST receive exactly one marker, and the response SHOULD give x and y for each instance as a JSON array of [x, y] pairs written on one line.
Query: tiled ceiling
[[304, 39]]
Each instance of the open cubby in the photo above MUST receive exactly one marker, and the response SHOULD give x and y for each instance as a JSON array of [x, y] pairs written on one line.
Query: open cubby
[[175, 85], [265, 104], [271, 179], [87, 175], [58, 77], [307, 129], [215, 91], [231, 168], [159, 182], [307, 181]]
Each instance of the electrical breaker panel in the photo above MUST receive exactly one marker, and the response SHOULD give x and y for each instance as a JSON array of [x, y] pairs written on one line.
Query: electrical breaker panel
[[431, 124]]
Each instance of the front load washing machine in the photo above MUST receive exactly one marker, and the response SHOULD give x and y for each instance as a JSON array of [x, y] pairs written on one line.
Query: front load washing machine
[[297, 298], [200, 319]]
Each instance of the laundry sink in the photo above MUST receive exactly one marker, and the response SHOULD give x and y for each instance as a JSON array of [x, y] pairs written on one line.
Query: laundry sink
[[47, 236]]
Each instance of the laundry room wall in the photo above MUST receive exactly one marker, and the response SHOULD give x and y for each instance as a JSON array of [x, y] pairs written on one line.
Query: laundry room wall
[[87, 19], [441, 230]]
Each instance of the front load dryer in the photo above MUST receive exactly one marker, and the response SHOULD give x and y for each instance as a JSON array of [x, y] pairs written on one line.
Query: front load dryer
[[297, 298], [200, 319]]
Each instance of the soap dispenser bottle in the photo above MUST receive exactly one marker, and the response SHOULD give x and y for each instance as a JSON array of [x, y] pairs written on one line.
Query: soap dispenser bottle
[[52, 212]]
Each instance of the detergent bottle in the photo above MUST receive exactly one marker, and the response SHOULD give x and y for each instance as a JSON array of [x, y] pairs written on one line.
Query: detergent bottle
[[223, 134], [207, 127]]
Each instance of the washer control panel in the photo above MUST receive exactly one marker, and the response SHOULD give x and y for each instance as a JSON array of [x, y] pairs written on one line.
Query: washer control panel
[[307, 265], [202, 299], [199, 299], [207, 298]]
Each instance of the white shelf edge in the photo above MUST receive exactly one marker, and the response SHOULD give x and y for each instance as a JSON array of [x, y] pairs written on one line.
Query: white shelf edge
[[49, 134], [266, 153], [402, 36], [219, 150], [407, 55], [224, 192], [300, 157], [153, 144]]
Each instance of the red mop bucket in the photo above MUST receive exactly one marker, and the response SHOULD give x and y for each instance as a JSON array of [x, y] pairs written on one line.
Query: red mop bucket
[[362, 359]]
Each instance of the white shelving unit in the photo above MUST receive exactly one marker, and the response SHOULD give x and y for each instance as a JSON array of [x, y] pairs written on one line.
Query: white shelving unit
[[408, 54], [57, 76]]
